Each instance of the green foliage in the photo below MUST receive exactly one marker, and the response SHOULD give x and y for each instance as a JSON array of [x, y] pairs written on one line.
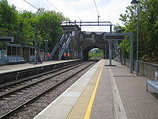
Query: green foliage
[[118, 28], [95, 54], [25, 26], [25, 29], [8, 18], [48, 27], [125, 47], [148, 28]]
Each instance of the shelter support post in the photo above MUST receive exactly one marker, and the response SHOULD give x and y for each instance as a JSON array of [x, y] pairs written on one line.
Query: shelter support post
[[110, 48], [110, 53]]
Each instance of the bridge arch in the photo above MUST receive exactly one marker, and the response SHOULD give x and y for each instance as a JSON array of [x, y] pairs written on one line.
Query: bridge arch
[[86, 50], [90, 40]]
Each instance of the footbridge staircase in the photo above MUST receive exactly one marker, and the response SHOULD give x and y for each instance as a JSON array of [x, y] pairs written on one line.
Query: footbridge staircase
[[61, 47]]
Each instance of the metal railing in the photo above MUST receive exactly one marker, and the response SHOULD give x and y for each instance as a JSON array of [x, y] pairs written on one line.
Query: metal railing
[[57, 45], [64, 47]]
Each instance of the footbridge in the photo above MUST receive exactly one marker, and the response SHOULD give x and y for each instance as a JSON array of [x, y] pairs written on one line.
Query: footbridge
[[78, 43]]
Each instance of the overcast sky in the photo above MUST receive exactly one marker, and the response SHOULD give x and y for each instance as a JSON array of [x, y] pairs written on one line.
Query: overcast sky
[[85, 10]]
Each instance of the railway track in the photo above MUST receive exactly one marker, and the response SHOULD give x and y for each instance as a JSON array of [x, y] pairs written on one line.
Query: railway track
[[8, 89], [54, 69], [19, 94]]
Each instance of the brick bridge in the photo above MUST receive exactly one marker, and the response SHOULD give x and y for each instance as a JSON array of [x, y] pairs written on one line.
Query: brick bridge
[[78, 43]]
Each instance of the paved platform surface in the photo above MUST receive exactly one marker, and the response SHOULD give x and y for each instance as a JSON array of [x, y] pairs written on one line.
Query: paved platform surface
[[130, 102]]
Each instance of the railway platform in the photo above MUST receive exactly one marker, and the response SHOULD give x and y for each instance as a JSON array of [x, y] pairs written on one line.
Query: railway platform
[[105, 92], [15, 67], [13, 72]]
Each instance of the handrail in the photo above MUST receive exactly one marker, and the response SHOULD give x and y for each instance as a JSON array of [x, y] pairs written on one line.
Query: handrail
[[64, 47], [54, 49], [56, 46]]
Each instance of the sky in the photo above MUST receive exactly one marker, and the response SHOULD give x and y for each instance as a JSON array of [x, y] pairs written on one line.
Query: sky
[[85, 10]]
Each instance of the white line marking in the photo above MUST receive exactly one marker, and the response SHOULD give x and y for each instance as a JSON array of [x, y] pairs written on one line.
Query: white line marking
[[118, 106]]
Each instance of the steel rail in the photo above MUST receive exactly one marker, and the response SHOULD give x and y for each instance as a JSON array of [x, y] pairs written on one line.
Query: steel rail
[[41, 80], [35, 76]]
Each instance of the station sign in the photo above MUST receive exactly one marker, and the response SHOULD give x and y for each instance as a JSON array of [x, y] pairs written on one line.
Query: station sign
[[112, 37], [6, 39], [115, 36]]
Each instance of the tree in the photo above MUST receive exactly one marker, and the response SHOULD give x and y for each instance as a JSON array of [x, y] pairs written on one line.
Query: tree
[[148, 28], [25, 26], [48, 28], [25, 29], [8, 20], [118, 28]]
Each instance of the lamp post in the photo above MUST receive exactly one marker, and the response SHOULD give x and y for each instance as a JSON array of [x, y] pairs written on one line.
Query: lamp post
[[36, 49], [136, 2], [46, 48]]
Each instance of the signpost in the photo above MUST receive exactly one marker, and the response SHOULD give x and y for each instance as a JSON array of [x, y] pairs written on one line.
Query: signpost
[[119, 36]]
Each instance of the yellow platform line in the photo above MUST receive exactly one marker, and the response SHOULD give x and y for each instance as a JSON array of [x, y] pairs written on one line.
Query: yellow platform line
[[89, 109], [82, 108]]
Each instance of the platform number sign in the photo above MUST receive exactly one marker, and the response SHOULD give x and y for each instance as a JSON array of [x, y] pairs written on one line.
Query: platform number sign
[[6, 39]]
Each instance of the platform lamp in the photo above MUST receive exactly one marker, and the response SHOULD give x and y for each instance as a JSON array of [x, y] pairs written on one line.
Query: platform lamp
[[136, 2]]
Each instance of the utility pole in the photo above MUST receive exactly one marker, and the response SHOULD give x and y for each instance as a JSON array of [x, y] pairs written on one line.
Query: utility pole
[[35, 61], [136, 2]]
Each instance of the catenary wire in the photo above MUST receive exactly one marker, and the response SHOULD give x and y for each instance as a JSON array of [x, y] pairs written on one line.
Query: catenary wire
[[53, 6], [31, 5], [96, 7]]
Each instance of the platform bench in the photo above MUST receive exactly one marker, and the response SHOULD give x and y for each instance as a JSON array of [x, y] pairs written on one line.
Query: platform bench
[[152, 84]]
